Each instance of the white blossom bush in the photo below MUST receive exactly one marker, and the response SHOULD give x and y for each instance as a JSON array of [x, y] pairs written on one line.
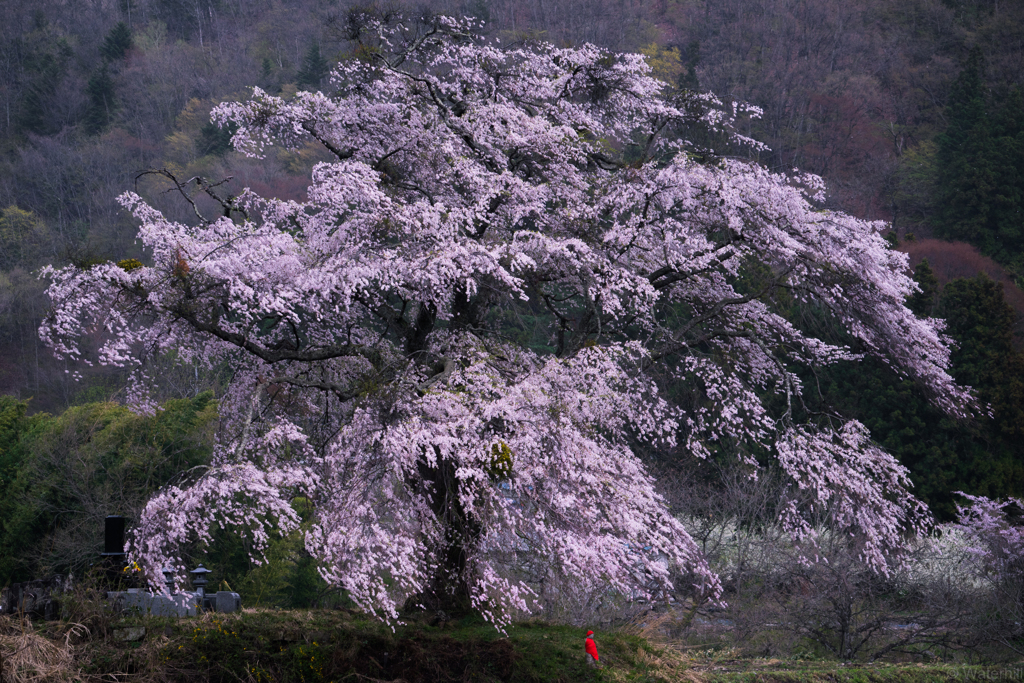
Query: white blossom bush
[[472, 181], [988, 536]]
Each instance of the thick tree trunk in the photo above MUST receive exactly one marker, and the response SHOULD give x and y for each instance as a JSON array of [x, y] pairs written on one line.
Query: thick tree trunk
[[449, 589]]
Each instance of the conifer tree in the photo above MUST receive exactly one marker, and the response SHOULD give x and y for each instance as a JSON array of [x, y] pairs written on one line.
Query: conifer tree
[[314, 69], [102, 103], [117, 43], [984, 456], [979, 318], [963, 173], [981, 166], [923, 303]]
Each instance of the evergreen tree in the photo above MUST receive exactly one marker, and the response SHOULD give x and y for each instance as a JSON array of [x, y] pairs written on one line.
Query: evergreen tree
[[45, 65], [117, 43], [688, 77], [984, 456], [981, 166], [1007, 204], [981, 321], [964, 176], [314, 69], [215, 140], [923, 303], [102, 104]]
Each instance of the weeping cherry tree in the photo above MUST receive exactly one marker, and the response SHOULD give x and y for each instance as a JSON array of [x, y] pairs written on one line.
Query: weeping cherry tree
[[458, 347]]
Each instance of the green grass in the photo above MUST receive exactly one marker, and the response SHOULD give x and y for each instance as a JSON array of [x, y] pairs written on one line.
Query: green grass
[[338, 646], [320, 645]]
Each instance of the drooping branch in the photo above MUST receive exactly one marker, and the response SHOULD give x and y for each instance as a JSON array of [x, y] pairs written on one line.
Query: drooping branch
[[342, 154], [313, 355], [342, 392], [226, 203]]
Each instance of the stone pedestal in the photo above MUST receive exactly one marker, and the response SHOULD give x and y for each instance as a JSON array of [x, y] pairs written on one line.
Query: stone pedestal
[[176, 605], [144, 602]]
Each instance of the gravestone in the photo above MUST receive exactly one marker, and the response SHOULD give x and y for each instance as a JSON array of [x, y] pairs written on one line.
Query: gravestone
[[113, 539], [226, 601]]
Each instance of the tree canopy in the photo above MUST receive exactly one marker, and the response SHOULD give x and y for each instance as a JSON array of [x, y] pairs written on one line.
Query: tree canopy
[[446, 460]]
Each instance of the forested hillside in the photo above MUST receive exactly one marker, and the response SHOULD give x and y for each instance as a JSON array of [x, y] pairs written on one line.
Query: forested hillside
[[911, 111]]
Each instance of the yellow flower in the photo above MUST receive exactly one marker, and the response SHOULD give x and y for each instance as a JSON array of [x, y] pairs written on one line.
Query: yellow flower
[[500, 466]]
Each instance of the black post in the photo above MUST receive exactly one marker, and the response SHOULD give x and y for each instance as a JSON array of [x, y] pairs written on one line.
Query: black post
[[113, 537], [113, 551]]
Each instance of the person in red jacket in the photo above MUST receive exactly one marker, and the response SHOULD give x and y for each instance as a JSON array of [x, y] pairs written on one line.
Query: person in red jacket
[[591, 648]]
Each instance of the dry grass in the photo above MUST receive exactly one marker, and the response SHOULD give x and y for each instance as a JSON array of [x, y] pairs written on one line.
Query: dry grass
[[658, 628], [662, 660], [28, 657]]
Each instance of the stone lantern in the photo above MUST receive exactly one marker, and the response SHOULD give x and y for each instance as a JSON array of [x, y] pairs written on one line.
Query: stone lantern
[[199, 580]]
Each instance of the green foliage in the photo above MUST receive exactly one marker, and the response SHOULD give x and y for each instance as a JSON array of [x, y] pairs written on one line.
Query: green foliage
[[117, 42], [286, 578], [64, 474], [22, 237], [314, 69], [665, 62], [980, 177], [12, 424], [982, 456], [323, 646], [215, 140], [60, 476], [981, 321], [923, 303], [13, 519], [941, 454], [12, 417]]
